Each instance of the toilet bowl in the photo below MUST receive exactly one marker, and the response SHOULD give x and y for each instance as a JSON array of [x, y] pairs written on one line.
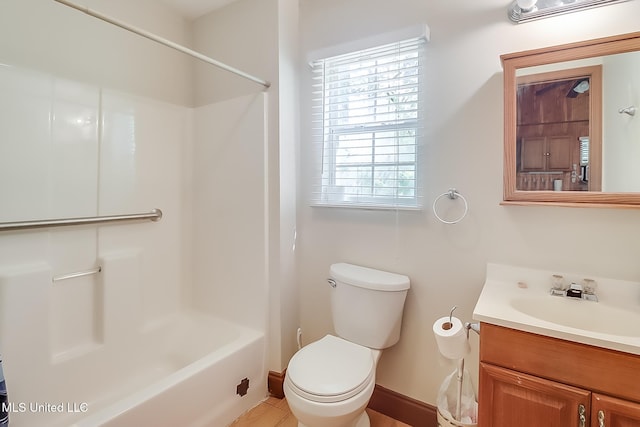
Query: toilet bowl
[[329, 383]]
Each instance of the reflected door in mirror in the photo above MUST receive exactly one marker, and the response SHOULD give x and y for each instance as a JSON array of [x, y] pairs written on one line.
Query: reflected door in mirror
[[553, 114]]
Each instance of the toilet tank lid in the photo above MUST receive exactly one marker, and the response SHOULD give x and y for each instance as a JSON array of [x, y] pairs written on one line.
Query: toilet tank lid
[[369, 278]]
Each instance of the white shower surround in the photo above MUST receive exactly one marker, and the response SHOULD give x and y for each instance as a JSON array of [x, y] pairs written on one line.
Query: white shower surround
[[169, 312]]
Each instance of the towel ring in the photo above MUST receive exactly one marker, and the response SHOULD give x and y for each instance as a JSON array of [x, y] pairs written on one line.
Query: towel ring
[[452, 194]]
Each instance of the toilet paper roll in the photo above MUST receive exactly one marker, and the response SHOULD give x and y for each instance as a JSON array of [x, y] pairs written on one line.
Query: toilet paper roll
[[451, 337]]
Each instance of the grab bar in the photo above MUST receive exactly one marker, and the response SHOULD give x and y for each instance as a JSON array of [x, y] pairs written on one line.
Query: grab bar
[[77, 274], [154, 215]]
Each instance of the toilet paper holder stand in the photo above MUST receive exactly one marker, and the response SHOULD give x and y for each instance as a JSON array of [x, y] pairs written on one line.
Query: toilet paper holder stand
[[468, 326], [475, 326]]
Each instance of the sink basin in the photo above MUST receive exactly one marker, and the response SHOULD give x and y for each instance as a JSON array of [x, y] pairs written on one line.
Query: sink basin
[[518, 298], [579, 314]]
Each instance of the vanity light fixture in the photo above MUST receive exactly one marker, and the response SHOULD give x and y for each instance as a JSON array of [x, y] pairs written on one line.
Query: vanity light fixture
[[528, 10]]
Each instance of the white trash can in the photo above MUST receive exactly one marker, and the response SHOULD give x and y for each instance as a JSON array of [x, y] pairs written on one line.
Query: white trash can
[[452, 390], [444, 421]]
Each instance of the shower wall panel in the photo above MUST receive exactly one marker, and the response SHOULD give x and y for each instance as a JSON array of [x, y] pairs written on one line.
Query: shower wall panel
[[69, 149], [230, 210]]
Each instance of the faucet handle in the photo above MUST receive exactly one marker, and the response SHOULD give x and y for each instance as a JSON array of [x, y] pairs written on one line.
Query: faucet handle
[[589, 286], [557, 285], [557, 282]]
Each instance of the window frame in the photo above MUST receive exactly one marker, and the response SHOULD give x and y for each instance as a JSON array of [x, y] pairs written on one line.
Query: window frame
[[326, 192]]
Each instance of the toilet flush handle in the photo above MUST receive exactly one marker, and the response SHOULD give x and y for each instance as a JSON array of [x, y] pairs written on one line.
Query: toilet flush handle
[[331, 282]]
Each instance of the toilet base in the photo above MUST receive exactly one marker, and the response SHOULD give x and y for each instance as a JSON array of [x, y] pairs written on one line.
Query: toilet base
[[345, 412], [362, 421]]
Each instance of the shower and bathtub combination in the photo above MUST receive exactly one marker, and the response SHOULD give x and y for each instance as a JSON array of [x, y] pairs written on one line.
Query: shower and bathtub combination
[[107, 320]]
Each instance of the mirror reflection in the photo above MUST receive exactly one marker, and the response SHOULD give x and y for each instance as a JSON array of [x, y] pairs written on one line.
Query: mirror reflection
[[575, 127], [553, 130]]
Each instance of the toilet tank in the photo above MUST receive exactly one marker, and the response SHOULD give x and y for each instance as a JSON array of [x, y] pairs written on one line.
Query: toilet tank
[[367, 304]]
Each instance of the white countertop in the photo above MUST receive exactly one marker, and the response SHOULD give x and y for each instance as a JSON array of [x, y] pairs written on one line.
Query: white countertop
[[519, 298]]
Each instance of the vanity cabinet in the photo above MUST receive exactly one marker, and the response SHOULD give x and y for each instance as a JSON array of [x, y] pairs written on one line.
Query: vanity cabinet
[[511, 398], [530, 380], [607, 411], [546, 153]]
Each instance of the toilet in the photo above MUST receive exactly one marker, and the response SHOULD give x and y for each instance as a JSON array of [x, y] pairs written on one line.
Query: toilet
[[330, 381]]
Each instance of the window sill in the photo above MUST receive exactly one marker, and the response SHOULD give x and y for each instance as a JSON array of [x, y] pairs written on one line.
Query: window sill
[[367, 207]]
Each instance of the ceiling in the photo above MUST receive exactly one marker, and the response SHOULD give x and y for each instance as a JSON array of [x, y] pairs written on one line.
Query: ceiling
[[193, 9]]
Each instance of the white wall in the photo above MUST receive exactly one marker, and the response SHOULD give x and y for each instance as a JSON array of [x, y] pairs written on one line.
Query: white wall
[[621, 132], [243, 35], [446, 263], [260, 38], [45, 35], [230, 210]]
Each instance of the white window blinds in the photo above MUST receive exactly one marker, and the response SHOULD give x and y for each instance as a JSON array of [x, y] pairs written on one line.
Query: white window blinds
[[368, 127], [584, 150]]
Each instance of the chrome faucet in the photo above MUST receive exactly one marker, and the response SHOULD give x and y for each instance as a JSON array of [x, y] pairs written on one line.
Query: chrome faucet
[[575, 291], [585, 290]]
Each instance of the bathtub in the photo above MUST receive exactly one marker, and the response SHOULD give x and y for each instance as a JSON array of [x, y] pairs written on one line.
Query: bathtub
[[183, 371]]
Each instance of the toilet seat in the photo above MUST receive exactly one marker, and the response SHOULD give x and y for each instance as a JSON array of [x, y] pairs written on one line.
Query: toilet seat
[[331, 370]]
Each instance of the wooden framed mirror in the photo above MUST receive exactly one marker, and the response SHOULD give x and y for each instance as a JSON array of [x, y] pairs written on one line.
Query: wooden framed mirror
[[570, 133]]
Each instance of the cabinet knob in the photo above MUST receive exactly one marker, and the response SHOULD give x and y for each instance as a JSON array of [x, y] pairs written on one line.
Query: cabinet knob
[[583, 418], [601, 418]]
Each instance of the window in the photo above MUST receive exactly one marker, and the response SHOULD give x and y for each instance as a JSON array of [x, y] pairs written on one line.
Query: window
[[368, 105], [584, 150]]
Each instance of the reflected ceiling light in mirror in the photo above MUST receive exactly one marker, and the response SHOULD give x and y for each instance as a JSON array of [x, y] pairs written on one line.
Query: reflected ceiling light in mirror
[[581, 87], [528, 10]]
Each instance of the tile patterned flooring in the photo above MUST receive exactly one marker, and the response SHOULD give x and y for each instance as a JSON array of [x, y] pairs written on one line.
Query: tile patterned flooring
[[275, 412]]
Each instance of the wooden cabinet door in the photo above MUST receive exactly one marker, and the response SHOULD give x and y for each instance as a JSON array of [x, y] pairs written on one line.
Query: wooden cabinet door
[[608, 411], [559, 153], [512, 399], [546, 153], [534, 154]]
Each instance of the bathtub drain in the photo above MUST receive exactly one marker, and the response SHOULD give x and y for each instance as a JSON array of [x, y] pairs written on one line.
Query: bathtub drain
[[242, 388]]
